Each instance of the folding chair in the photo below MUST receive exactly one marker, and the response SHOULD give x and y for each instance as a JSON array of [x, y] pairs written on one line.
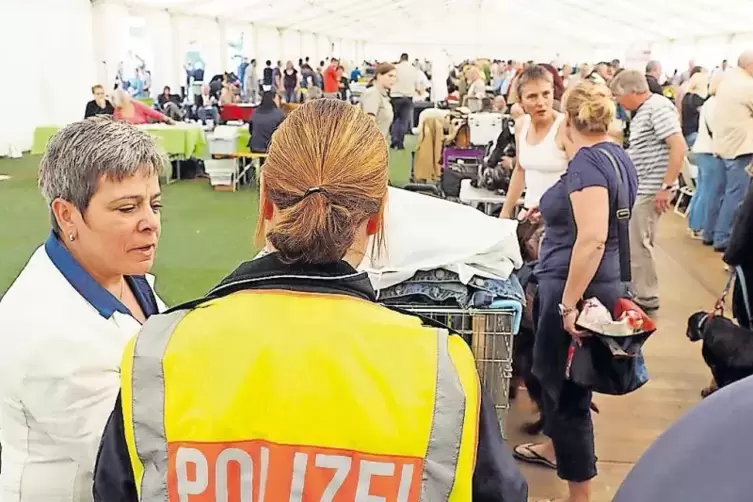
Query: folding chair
[[687, 190]]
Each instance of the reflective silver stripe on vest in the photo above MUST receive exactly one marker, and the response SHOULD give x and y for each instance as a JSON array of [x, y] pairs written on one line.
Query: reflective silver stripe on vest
[[148, 402], [441, 461]]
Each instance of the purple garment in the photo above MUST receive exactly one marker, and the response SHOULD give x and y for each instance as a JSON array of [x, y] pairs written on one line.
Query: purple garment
[[705, 456], [590, 167]]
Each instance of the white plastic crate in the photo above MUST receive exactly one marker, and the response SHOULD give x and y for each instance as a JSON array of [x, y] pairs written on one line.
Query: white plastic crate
[[220, 171], [222, 146], [223, 140], [221, 179]]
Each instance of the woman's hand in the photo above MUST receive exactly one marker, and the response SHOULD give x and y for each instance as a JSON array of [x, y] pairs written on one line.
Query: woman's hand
[[568, 323], [533, 215]]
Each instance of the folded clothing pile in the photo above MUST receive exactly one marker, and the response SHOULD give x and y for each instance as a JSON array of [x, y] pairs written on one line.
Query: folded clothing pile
[[442, 287], [426, 234]]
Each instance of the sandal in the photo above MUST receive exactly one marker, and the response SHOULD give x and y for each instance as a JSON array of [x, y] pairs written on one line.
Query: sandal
[[524, 453]]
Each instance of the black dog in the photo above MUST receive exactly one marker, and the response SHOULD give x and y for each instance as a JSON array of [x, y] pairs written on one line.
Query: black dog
[[727, 348]]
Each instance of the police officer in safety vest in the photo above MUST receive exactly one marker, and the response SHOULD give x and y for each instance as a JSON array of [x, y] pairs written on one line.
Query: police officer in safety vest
[[287, 382]]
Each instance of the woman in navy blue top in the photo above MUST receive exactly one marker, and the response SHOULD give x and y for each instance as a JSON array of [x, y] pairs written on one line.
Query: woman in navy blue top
[[579, 259]]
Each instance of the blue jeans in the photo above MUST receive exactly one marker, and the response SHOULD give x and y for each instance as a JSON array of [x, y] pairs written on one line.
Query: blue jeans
[[707, 164], [209, 113], [727, 190], [690, 139]]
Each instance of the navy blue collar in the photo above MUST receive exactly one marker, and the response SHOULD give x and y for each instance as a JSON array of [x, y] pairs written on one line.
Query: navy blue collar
[[99, 298]]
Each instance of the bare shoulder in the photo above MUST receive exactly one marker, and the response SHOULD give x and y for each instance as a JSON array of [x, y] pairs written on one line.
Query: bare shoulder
[[519, 123]]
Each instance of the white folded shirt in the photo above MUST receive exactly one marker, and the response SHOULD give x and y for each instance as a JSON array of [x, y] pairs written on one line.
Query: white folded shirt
[[425, 233]]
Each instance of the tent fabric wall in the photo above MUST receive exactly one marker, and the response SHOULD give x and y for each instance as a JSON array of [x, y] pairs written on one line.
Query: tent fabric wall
[[308, 47], [166, 66], [205, 35], [44, 39], [249, 47], [291, 45], [347, 51], [53, 58], [110, 33], [269, 45], [323, 48]]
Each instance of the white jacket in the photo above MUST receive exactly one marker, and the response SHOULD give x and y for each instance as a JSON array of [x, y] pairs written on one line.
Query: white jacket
[[59, 377]]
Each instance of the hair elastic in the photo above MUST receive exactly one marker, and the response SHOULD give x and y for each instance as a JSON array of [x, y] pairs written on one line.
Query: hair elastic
[[314, 190]]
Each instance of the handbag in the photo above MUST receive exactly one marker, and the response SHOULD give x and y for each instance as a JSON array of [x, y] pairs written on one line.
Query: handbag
[[608, 364]]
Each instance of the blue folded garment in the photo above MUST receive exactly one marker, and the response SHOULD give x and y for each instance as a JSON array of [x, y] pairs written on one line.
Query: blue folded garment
[[512, 305]]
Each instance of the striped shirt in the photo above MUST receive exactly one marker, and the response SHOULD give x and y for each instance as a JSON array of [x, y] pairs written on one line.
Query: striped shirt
[[654, 122]]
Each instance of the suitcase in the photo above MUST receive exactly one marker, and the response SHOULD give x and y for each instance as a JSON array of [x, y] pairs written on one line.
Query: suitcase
[[485, 127]]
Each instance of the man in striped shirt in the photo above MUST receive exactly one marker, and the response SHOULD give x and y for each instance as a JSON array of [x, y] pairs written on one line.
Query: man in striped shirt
[[657, 149]]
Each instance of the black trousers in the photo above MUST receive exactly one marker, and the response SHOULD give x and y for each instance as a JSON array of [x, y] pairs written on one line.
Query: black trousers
[[567, 422], [567, 407], [401, 124]]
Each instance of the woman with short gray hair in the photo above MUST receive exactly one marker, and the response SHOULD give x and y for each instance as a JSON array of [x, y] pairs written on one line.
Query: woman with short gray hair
[[67, 317]]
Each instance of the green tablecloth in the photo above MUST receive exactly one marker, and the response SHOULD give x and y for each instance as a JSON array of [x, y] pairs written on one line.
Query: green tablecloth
[[41, 136], [179, 139], [185, 140]]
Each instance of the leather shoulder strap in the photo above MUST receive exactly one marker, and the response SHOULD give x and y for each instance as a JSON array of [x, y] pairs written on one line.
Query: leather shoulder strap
[[622, 217]]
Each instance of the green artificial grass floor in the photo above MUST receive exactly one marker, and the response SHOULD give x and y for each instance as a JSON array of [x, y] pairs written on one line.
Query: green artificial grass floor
[[205, 234]]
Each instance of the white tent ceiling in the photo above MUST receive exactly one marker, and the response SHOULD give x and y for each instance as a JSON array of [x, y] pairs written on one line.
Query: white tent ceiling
[[499, 23]]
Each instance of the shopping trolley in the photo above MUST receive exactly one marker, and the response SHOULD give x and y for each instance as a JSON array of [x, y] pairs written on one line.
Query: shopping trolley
[[490, 333]]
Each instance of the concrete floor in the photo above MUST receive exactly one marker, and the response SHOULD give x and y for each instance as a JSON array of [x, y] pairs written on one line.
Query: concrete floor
[[691, 278]]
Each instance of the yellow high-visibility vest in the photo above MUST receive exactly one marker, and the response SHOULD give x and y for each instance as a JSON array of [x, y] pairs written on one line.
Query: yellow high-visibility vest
[[283, 396]]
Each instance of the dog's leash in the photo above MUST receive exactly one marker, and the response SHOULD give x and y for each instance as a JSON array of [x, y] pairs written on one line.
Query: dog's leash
[[719, 305]]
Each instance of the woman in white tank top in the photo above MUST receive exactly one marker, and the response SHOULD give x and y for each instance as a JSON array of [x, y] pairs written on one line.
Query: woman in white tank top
[[541, 141]]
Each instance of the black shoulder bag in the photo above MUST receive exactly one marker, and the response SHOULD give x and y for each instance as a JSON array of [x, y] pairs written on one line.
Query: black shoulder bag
[[622, 216], [607, 364]]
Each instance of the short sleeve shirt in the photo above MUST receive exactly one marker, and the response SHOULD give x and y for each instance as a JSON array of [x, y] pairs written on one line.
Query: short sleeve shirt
[[590, 167], [654, 122], [378, 104]]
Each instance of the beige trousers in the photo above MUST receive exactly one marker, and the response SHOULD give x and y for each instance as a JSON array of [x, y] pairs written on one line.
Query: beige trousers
[[643, 266]]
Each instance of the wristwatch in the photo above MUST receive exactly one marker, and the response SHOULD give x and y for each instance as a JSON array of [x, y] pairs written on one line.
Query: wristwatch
[[667, 187], [565, 311]]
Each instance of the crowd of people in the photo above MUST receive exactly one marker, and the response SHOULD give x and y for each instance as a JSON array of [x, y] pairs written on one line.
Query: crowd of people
[[599, 154]]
